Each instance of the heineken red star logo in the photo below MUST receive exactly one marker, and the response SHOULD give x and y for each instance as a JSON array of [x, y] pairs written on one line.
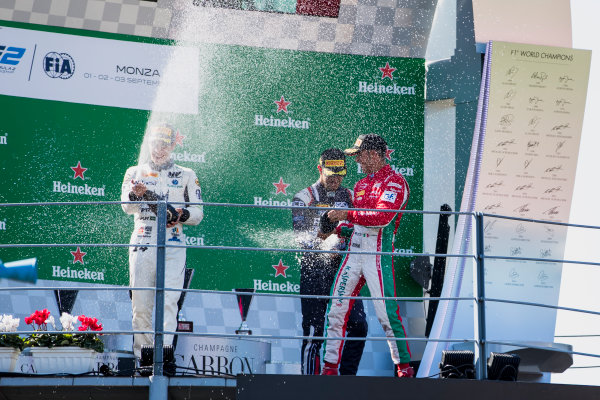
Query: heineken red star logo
[[388, 153], [280, 269], [78, 256], [282, 105], [387, 71], [179, 138], [281, 186], [79, 170]]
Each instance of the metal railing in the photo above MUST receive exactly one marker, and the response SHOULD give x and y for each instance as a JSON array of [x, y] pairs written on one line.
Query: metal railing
[[480, 338]]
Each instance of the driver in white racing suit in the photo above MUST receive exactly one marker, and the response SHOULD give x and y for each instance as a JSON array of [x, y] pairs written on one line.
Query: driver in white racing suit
[[158, 179]]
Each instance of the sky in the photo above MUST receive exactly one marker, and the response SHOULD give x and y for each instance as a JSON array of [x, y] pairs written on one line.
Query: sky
[[579, 288]]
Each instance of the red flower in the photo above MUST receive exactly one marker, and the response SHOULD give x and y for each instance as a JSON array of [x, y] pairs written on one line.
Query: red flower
[[88, 323], [96, 327], [39, 318]]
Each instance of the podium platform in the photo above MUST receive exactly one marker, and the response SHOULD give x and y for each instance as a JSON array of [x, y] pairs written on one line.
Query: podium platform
[[288, 387]]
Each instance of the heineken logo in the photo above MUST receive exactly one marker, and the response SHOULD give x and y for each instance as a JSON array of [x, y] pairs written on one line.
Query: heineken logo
[[379, 88], [189, 157], [77, 273], [78, 256], [365, 87], [388, 154], [194, 241], [282, 105], [73, 273], [387, 71], [185, 155], [3, 225], [259, 201], [281, 186], [260, 120], [280, 269], [286, 287], [179, 138], [404, 171], [4, 139], [78, 170], [85, 189]]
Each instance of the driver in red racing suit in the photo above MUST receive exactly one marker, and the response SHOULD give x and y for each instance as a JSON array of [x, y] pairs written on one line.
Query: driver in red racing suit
[[317, 270], [374, 231]]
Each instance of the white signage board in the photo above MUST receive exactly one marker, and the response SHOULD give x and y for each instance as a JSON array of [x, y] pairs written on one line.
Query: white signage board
[[216, 356], [53, 66]]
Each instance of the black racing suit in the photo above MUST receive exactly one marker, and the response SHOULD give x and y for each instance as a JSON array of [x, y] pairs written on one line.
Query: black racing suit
[[316, 278]]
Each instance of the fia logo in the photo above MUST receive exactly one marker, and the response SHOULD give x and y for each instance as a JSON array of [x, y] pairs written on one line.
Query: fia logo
[[59, 65]]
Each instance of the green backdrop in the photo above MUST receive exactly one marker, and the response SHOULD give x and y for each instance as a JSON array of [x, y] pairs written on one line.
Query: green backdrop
[[236, 159]]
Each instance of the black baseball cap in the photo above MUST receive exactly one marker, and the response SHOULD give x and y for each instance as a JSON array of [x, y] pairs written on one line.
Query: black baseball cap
[[369, 141], [333, 162]]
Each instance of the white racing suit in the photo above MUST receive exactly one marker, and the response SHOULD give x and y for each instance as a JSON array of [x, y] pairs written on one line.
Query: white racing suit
[[175, 184]]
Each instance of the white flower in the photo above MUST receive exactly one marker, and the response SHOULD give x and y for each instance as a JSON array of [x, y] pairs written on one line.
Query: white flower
[[68, 321], [50, 321], [8, 323]]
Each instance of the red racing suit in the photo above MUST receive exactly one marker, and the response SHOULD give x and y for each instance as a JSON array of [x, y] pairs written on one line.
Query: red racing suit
[[373, 232]]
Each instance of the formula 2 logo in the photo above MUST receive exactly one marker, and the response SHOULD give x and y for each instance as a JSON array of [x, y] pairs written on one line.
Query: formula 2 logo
[[11, 55], [9, 58]]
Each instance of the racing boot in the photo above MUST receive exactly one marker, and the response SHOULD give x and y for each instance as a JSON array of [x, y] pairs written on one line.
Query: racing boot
[[329, 369], [404, 371]]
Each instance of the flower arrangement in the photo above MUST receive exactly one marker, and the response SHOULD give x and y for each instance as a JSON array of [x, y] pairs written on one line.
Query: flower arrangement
[[41, 319], [10, 324]]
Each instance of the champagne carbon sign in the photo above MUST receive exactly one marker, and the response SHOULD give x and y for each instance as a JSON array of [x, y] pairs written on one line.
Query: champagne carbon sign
[[223, 356]]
